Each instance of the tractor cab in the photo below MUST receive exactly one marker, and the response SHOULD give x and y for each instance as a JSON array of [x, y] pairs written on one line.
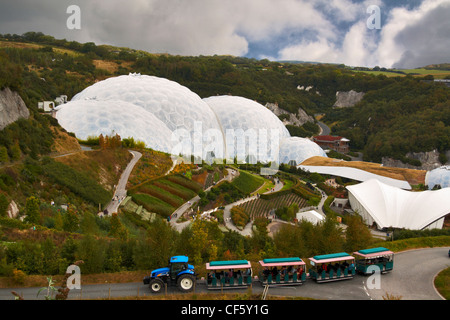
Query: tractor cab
[[177, 265]]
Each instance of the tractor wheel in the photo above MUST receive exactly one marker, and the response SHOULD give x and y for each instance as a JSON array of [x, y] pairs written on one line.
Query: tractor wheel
[[156, 285], [186, 282]]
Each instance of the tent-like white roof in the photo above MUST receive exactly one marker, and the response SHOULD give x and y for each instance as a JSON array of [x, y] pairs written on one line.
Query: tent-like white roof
[[393, 207], [312, 216], [356, 174]]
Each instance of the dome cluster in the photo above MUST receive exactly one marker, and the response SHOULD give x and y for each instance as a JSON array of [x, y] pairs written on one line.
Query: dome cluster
[[438, 177], [171, 118]]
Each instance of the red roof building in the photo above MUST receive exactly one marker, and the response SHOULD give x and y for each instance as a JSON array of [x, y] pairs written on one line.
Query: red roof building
[[339, 144]]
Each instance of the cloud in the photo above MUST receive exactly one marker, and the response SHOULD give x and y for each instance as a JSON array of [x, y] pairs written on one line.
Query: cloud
[[322, 30], [416, 38], [409, 38]]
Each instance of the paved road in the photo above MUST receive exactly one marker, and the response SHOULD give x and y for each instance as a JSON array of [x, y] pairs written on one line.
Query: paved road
[[412, 279], [413, 274], [121, 192], [325, 130]]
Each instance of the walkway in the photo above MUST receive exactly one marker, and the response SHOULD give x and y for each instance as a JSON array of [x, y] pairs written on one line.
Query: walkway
[[248, 229], [121, 192], [232, 174]]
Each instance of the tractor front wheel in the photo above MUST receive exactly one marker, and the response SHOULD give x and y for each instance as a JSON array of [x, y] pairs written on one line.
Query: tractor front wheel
[[186, 282], [156, 285]]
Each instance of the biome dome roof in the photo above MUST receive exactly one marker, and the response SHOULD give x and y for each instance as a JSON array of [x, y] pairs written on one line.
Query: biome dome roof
[[91, 118], [175, 105], [295, 150], [152, 109], [439, 176], [239, 115]]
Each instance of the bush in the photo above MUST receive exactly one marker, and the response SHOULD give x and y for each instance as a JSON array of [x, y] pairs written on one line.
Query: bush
[[77, 182], [19, 276], [239, 217]]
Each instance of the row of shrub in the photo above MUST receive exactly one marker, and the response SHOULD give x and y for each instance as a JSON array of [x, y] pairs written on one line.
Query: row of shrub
[[163, 196]]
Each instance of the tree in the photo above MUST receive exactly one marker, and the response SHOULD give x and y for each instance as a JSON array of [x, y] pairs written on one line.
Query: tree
[[358, 236], [32, 210], [4, 204], [70, 221], [117, 229], [93, 253], [4, 158], [15, 152]]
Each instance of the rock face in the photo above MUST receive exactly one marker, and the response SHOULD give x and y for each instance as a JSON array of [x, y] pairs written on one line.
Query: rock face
[[12, 108], [13, 210], [298, 119], [429, 160], [348, 99]]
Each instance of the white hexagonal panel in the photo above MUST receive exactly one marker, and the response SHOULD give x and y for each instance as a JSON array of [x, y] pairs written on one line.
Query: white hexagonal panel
[[439, 176], [299, 149], [252, 132], [91, 118]]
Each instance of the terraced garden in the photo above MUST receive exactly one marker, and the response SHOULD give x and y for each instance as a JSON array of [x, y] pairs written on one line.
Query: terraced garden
[[164, 195], [261, 208]]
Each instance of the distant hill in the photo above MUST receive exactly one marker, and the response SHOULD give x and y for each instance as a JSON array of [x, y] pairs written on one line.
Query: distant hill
[[384, 123]]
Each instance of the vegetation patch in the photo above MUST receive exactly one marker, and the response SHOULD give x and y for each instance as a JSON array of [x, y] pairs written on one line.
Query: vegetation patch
[[247, 182]]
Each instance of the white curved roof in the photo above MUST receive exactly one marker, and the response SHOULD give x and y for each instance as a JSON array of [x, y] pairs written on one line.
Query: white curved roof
[[239, 115], [91, 118], [356, 174], [439, 176], [175, 105], [299, 149], [393, 207]]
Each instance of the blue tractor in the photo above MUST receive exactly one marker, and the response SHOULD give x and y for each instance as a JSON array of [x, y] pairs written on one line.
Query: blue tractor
[[178, 273]]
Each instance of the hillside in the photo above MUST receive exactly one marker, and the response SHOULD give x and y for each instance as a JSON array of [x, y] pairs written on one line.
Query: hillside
[[383, 124]]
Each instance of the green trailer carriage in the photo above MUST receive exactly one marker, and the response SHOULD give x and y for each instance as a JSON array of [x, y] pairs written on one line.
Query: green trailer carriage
[[282, 272], [332, 267], [233, 274], [368, 261]]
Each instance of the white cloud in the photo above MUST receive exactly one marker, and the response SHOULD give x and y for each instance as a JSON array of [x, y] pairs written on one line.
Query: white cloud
[[408, 38], [320, 30], [417, 37]]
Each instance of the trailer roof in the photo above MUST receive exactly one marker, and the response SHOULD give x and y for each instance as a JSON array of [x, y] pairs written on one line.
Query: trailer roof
[[334, 257], [232, 264], [373, 253], [295, 261]]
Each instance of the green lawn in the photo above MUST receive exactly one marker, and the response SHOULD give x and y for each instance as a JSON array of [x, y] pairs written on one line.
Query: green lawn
[[247, 182]]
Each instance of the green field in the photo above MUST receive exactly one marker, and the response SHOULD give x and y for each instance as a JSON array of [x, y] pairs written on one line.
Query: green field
[[247, 182], [437, 74]]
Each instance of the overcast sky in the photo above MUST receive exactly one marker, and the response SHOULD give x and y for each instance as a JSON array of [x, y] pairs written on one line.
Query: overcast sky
[[413, 33]]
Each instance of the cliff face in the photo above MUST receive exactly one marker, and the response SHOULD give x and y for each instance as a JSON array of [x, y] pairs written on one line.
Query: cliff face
[[429, 160], [12, 108], [298, 119], [348, 99]]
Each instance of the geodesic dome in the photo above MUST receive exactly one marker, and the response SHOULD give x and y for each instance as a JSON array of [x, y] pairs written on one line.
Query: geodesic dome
[[91, 118], [175, 105], [439, 176], [295, 150], [251, 131], [194, 128]]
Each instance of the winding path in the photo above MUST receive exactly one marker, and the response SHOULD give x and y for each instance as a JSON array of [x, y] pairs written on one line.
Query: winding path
[[121, 192]]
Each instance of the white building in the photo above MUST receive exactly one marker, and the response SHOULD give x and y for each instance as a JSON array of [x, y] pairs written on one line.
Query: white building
[[388, 206], [46, 106]]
